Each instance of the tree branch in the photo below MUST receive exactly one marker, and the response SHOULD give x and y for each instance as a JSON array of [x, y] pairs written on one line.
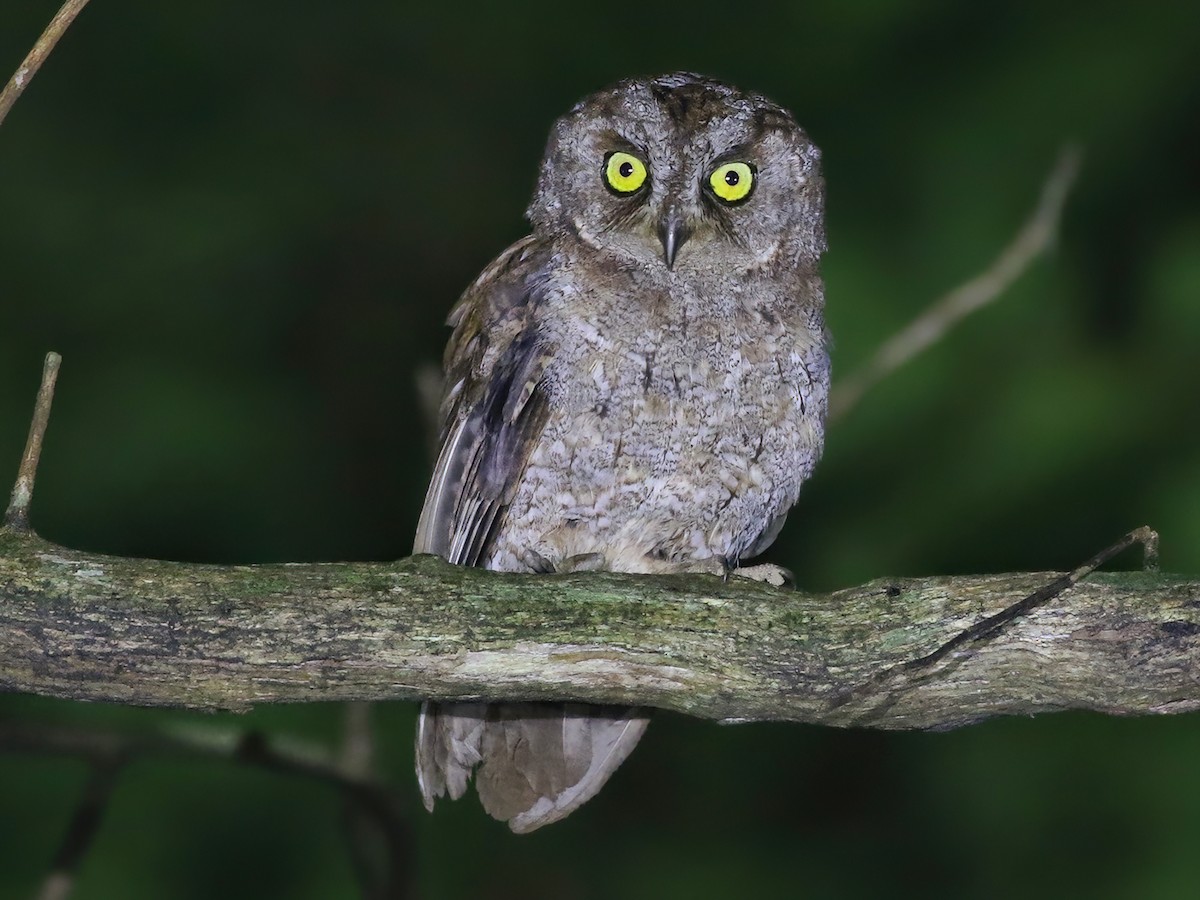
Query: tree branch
[[1035, 237], [380, 847], [33, 61], [153, 633], [108, 750], [82, 830], [16, 517]]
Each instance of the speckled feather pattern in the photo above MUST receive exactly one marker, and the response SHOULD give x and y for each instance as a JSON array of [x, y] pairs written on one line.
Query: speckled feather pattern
[[611, 405], [680, 427]]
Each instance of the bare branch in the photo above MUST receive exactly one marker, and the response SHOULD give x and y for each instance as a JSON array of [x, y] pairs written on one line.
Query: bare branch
[[33, 61], [988, 628], [82, 830], [358, 742], [153, 633], [381, 847], [108, 750], [17, 515], [429, 384], [100, 747], [1034, 238]]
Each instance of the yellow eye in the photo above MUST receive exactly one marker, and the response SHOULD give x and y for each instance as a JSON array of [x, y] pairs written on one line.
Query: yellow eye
[[624, 173], [732, 182]]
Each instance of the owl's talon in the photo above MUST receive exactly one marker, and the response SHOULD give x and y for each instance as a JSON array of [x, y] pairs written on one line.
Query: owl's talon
[[777, 576], [583, 562], [537, 563], [714, 565]]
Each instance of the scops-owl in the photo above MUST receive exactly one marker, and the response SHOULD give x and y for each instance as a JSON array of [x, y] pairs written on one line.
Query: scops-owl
[[638, 386]]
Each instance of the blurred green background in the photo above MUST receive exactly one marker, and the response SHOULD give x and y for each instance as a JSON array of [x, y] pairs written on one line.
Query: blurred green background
[[242, 225]]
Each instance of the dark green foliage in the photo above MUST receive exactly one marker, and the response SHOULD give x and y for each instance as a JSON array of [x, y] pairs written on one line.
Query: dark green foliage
[[241, 225]]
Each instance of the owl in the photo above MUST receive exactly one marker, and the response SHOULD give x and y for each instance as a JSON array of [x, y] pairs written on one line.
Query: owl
[[639, 385]]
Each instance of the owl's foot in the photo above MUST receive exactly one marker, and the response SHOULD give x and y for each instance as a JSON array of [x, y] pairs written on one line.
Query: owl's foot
[[583, 562], [580, 562], [537, 563], [776, 576], [714, 565]]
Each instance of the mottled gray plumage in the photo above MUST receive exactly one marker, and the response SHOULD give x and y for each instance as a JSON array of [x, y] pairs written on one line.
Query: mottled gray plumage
[[640, 385]]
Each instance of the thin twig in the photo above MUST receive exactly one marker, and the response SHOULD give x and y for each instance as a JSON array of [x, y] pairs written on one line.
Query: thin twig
[[249, 748], [373, 803], [33, 61], [990, 627], [380, 846], [358, 750], [82, 831], [1036, 235], [359, 831], [16, 517], [429, 383]]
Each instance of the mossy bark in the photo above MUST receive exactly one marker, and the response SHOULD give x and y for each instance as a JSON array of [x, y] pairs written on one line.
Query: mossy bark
[[155, 633]]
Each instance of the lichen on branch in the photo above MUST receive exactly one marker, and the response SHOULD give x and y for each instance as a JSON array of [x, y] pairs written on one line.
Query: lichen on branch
[[155, 633]]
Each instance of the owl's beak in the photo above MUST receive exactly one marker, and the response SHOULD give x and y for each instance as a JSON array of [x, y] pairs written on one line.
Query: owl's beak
[[673, 231]]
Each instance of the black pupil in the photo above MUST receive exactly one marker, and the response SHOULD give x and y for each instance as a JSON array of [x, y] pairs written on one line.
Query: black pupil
[[732, 177], [626, 169]]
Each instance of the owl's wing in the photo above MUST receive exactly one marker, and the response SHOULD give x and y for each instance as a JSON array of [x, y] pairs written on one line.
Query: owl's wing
[[493, 411], [539, 761]]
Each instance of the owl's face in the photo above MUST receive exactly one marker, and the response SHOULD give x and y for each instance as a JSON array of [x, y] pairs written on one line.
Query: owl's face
[[683, 173]]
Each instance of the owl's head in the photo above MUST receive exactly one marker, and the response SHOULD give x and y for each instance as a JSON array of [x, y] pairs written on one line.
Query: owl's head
[[683, 172]]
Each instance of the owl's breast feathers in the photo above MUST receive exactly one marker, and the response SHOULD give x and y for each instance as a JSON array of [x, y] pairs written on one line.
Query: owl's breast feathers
[[652, 422]]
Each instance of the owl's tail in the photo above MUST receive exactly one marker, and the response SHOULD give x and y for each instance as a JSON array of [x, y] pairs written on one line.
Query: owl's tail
[[537, 761]]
